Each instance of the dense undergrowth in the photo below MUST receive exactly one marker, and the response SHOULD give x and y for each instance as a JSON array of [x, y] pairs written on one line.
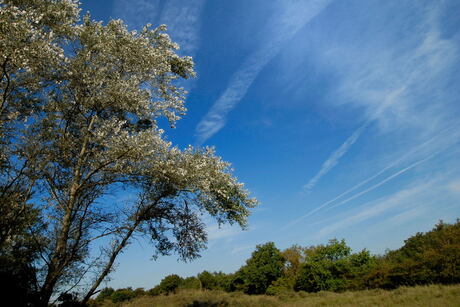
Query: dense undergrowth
[[318, 274], [433, 295]]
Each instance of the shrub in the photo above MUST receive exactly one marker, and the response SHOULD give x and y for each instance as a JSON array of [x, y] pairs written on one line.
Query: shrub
[[332, 267], [105, 294], [169, 284], [264, 267], [191, 283], [121, 295], [425, 258]]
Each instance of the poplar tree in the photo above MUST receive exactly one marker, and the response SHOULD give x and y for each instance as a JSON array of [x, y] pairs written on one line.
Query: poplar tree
[[81, 108]]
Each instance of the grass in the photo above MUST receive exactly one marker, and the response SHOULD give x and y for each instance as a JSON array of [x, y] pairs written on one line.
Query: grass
[[433, 295]]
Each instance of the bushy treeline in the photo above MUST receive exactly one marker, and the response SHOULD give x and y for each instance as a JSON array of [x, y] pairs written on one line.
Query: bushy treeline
[[425, 258]]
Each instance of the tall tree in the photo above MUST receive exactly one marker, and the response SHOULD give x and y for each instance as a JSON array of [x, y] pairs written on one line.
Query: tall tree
[[29, 53], [90, 129]]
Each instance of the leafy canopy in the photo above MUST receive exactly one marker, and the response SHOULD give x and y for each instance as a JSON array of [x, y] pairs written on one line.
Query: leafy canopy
[[81, 103]]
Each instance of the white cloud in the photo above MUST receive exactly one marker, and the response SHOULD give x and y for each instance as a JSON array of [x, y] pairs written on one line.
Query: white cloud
[[137, 13], [361, 193], [183, 19], [401, 200], [400, 83], [293, 16], [240, 249], [224, 231], [439, 142], [334, 158], [379, 184]]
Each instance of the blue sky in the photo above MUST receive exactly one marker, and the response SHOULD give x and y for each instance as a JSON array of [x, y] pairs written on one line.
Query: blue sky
[[341, 117]]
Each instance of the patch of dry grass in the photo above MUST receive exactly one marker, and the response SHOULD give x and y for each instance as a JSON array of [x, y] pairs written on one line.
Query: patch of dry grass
[[434, 295]]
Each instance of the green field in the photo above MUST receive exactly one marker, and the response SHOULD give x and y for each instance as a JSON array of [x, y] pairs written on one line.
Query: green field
[[433, 295]]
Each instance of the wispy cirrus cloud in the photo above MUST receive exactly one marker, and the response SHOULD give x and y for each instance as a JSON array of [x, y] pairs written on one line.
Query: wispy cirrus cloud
[[334, 158], [423, 196], [240, 249], [361, 193], [401, 201], [137, 13], [398, 85], [216, 232], [293, 16], [437, 142], [403, 83], [183, 18], [401, 88]]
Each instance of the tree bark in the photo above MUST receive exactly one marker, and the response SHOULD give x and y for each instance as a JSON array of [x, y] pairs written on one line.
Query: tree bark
[[109, 264], [60, 256]]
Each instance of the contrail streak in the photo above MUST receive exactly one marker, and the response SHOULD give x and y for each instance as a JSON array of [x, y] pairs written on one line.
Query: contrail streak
[[335, 157], [391, 165]]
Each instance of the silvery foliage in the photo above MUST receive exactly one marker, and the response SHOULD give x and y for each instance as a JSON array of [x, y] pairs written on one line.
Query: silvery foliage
[[29, 49], [81, 103]]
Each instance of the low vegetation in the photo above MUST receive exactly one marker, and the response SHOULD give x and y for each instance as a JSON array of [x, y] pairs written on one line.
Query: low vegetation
[[433, 295], [327, 274]]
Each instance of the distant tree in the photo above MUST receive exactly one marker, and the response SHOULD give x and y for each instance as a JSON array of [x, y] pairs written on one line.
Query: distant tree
[[121, 295], [207, 280], [425, 258], [191, 282], [80, 113], [215, 280], [223, 281], [264, 267], [154, 291], [104, 294], [295, 258], [170, 284], [331, 267], [359, 266], [333, 251], [139, 292]]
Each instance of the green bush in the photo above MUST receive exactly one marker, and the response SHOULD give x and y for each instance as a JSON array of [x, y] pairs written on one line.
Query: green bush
[[332, 267], [105, 294], [170, 284], [191, 283], [207, 280], [282, 285], [121, 295], [264, 267], [426, 258]]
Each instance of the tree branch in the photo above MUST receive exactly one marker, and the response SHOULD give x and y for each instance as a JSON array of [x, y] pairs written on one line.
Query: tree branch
[[8, 82]]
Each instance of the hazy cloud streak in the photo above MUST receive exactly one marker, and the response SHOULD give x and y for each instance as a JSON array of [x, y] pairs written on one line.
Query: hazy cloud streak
[[398, 173], [294, 17], [137, 13], [334, 158], [402, 197], [435, 142], [380, 183], [183, 19], [395, 90]]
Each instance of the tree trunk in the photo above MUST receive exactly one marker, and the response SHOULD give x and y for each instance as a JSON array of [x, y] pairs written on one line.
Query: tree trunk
[[60, 257], [109, 264]]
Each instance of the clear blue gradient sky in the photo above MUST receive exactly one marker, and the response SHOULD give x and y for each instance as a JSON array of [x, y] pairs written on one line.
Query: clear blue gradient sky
[[341, 117]]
